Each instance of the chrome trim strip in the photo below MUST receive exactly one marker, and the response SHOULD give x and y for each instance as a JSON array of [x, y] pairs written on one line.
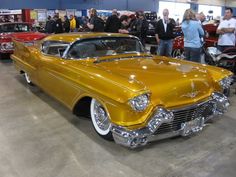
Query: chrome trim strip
[[123, 58], [191, 106]]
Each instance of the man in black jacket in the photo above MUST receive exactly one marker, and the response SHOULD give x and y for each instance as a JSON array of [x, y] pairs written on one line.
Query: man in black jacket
[[113, 23], [95, 24], [164, 34], [66, 24], [49, 25], [57, 28], [139, 26]]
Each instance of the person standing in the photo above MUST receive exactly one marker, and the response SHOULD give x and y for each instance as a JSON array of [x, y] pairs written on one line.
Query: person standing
[[113, 23], [57, 27], [193, 32], [124, 20], [66, 24], [164, 34], [139, 27], [49, 25], [95, 23], [226, 30], [72, 23], [77, 26]]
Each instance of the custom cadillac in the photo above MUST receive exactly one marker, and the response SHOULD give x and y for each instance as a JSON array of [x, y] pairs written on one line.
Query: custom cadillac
[[132, 97]]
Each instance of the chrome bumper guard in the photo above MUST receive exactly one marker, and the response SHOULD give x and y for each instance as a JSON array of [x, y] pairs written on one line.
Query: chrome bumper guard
[[140, 137]]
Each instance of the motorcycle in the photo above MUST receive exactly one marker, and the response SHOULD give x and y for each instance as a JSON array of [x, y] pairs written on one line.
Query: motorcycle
[[225, 59]]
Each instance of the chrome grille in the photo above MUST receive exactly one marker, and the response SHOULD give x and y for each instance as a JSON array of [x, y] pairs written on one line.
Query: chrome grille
[[184, 115]]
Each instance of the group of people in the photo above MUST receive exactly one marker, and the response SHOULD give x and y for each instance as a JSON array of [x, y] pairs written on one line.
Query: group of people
[[132, 24], [194, 33], [55, 24], [136, 24]]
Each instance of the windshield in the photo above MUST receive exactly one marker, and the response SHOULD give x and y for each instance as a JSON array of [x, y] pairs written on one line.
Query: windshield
[[99, 47], [11, 27]]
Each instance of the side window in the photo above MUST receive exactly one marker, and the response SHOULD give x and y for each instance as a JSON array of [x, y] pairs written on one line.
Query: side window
[[99, 47], [54, 48], [82, 50]]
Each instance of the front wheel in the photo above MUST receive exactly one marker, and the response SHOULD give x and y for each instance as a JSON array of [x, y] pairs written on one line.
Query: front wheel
[[100, 120]]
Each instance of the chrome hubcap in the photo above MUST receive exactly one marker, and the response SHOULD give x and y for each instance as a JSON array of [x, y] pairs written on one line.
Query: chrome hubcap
[[101, 117], [27, 78]]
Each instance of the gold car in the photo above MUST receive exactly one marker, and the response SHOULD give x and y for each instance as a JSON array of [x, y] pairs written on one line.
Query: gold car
[[133, 97]]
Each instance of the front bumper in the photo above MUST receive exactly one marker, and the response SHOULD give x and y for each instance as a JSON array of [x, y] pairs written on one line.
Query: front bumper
[[183, 122]]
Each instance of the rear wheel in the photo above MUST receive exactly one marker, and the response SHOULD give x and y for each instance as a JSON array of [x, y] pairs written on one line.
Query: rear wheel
[[100, 120], [27, 78]]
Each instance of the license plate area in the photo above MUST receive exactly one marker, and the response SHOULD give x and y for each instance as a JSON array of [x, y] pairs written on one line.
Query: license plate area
[[192, 126]]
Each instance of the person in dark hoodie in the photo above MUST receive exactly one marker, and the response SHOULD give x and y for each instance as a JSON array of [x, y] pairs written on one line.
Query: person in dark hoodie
[[77, 23], [113, 23], [57, 25], [66, 24], [49, 25], [95, 24]]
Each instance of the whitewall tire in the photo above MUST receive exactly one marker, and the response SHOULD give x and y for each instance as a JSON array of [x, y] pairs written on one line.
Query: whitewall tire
[[27, 78], [100, 119]]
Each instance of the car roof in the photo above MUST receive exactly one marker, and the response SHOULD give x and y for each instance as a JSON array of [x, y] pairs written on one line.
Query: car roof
[[71, 37]]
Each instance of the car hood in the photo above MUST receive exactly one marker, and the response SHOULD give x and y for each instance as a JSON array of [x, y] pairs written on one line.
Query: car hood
[[170, 82]]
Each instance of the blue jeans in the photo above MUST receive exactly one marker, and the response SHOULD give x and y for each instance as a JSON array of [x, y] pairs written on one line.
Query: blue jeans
[[165, 47], [192, 54]]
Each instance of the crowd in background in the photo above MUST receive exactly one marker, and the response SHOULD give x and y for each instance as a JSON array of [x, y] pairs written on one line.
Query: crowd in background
[[136, 24], [194, 34]]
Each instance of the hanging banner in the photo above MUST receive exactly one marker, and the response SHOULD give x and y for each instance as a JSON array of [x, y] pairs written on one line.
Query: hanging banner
[[10, 12], [42, 16], [33, 14], [61, 13], [50, 13], [78, 13], [70, 12]]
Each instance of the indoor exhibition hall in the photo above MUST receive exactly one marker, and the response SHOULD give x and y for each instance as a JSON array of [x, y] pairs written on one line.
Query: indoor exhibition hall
[[108, 88]]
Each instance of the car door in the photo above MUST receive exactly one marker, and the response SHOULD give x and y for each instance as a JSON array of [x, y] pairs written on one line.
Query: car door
[[56, 77]]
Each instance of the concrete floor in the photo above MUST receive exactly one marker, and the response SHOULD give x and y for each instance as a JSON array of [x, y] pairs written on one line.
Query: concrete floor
[[39, 137]]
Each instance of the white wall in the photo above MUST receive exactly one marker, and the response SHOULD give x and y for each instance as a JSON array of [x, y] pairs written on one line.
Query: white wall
[[231, 3], [174, 9]]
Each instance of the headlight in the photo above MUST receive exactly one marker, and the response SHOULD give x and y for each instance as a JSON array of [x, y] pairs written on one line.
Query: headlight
[[7, 46], [140, 103], [226, 82]]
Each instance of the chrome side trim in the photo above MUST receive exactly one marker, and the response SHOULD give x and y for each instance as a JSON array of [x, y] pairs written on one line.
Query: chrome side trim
[[191, 106]]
